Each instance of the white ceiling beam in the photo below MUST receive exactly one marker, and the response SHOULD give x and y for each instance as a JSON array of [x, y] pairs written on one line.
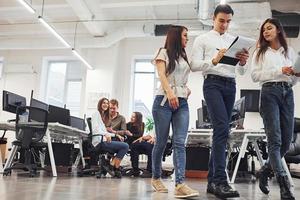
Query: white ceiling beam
[[84, 13], [147, 3]]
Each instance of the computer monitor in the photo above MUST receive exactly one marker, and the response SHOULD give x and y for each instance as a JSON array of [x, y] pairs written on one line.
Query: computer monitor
[[11, 101], [58, 114], [238, 111], [205, 113], [77, 122], [252, 100], [35, 115]]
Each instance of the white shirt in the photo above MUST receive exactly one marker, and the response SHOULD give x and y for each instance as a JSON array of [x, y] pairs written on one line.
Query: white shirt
[[98, 128], [178, 78], [205, 49], [269, 67]]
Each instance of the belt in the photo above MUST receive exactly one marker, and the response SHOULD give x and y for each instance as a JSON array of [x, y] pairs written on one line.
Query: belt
[[221, 78], [281, 84]]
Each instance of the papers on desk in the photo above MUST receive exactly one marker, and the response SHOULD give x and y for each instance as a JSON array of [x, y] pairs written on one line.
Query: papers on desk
[[236, 46], [296, 67]]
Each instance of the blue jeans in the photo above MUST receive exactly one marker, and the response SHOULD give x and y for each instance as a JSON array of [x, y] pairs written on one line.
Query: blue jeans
[[277, 111], [119, 148], [179, 119], [219, 96]]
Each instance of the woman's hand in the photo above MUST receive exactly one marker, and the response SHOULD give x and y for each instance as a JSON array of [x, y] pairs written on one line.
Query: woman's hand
[[173, 99], [120, 137], [140, 139], [110, 130], [128, 133], [287, 70], [108, 138], [151, 140], [219, 56]]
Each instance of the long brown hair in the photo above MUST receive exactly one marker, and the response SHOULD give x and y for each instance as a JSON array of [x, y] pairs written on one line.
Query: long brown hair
[[104, 113], [139, 122], [263, 44], [174, 47]]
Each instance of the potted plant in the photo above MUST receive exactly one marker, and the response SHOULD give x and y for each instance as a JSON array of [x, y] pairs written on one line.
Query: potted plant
[[149, 126]]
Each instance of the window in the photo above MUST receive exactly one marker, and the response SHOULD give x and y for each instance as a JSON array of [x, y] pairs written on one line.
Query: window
[[144, 85], [64, 85]]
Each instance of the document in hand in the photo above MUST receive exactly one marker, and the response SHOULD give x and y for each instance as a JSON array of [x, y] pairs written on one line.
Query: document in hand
[[296, 67], [236, 46]]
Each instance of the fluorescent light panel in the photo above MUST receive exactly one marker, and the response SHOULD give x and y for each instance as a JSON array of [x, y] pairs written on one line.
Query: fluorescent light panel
[[27, 6], [52, 30], [82, 59]]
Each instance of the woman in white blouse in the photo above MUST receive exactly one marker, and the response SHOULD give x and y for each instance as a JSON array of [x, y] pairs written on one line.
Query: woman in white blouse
[[102, 139], [171, 107], [272, 67]]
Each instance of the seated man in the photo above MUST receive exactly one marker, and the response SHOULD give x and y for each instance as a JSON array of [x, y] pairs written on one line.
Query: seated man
[[117, 124], [142, 145]]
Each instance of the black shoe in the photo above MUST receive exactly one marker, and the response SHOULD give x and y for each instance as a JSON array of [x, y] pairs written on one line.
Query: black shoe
[[133, 172], [224, 190], [211, 187], [118, 173], [263, 175], [146, 174], [285, 188], [110, 169]]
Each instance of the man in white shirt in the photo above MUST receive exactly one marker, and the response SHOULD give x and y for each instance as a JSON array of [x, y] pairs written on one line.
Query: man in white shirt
[[219, 90]]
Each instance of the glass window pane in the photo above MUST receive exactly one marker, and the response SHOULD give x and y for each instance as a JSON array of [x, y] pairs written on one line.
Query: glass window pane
[[56, 83], [144, 66], [143, 93], [73, 97]]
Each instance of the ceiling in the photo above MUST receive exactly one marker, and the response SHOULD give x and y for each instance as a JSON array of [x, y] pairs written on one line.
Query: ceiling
[[102, 23]]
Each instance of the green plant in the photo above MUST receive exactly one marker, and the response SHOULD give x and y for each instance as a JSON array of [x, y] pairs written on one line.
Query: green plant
[[149, 126]]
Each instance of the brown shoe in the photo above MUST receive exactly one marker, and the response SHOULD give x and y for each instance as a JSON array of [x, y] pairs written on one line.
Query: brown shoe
[[184, 191], [158, 186]]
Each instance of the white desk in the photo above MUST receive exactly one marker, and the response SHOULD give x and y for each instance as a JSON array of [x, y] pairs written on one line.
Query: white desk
[[199, 137], [54, 131], [242, 137]]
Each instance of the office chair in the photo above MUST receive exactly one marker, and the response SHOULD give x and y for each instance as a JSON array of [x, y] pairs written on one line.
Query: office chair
[[31, 126], [293, 155], [97, 159]]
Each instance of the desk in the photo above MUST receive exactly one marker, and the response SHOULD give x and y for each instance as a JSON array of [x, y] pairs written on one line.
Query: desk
[[199, 137], [242, 137], [54, 131]]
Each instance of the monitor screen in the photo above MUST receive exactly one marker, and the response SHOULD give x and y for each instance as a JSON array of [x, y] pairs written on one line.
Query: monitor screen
[[252, 100], [35, 114], [58, 114], [11, 101], [77, 122], [205, 113], [238, 111]]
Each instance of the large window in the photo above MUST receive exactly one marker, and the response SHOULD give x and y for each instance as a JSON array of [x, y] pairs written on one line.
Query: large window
[[64, 85], [145, 83]]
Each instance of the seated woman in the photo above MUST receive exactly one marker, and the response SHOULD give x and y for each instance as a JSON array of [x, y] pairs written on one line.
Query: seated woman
[[103, 141], [135, 127], [142, 145]]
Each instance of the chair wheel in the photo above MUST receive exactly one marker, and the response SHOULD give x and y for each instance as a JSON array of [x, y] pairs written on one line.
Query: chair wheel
[[98, 176], [7, 173]]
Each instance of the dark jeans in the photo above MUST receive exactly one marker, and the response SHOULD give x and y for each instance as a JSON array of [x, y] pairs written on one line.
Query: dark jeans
[[164, 116], [277, 111], [138, 148], [219, 95], [119, 148]]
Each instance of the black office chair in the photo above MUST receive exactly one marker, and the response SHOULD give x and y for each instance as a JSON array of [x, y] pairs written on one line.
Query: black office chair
[[97, 159], [293, 155], [31, 126]]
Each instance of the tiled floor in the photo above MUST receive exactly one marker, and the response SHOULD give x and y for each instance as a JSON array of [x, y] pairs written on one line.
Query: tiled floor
[[20, 187]]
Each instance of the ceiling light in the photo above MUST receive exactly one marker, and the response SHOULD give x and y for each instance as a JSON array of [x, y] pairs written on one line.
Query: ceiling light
[[27, 6], [52, 30], [82, 59]]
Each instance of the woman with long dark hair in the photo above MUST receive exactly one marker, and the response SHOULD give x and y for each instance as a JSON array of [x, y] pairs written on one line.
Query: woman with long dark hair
[[103, 108], [272, 67], [135, 126], [171, 107]]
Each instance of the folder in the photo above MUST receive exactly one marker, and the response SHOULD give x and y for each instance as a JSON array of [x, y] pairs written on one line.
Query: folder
[[238, 44]]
